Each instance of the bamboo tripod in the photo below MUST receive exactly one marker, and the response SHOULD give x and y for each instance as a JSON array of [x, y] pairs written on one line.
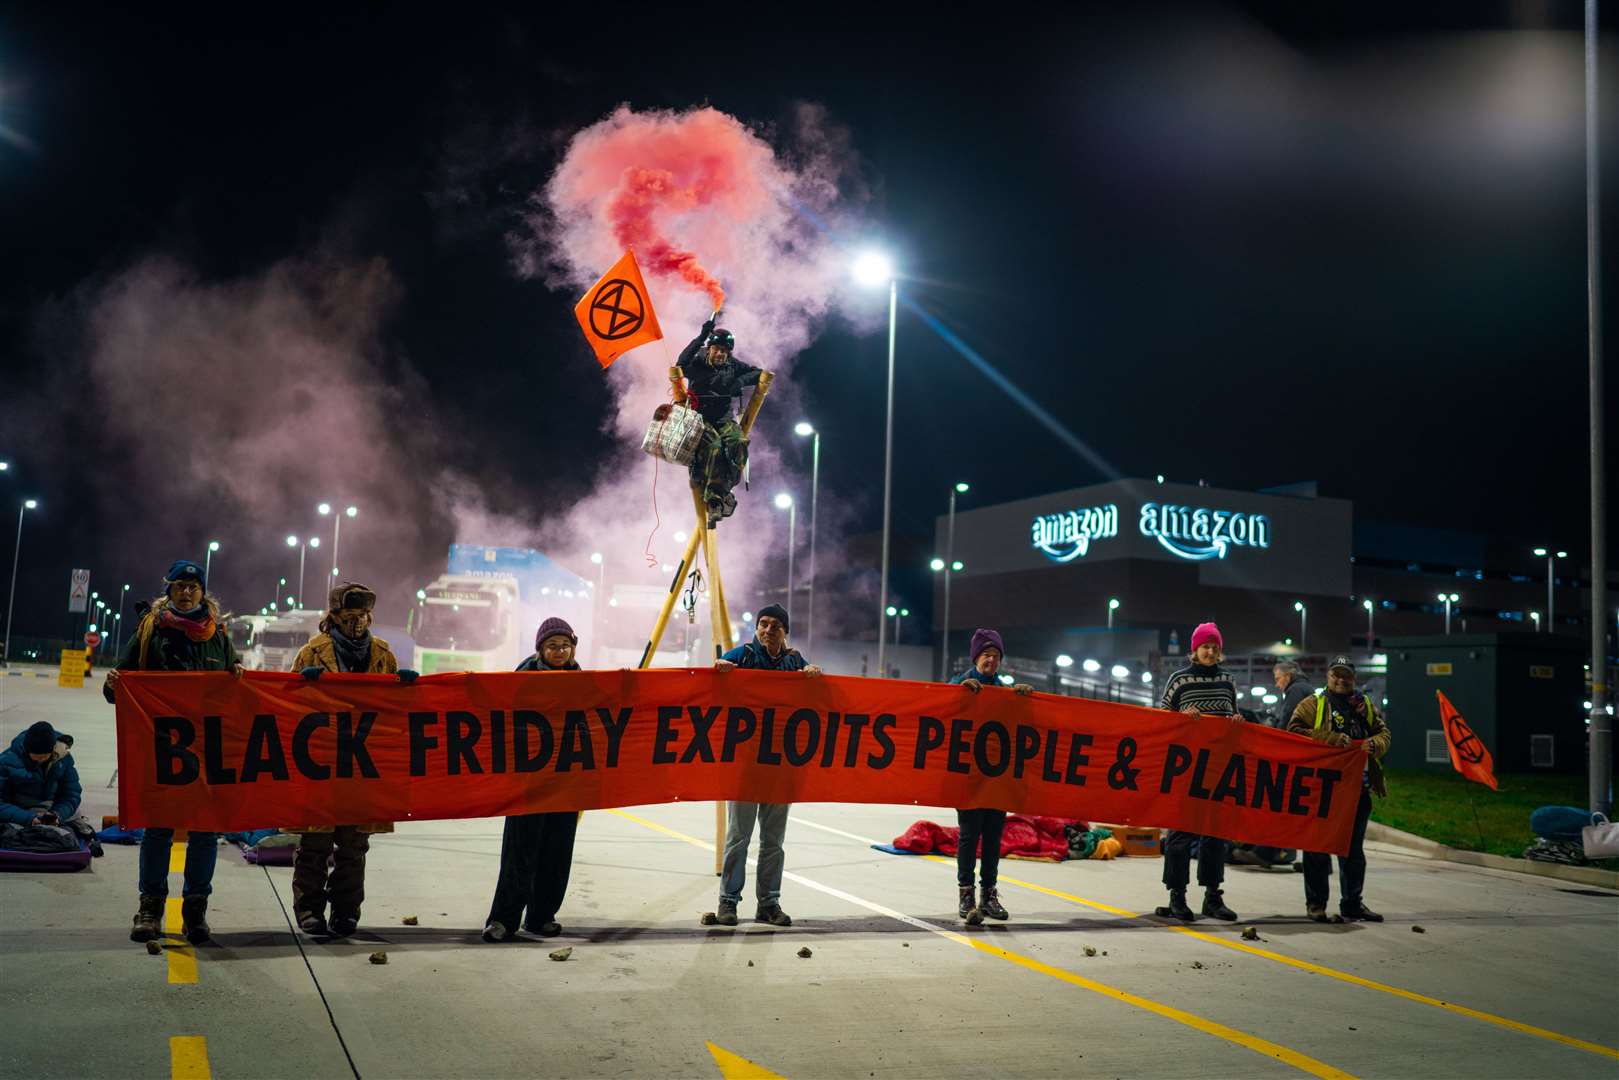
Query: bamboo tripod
[[704, 534]]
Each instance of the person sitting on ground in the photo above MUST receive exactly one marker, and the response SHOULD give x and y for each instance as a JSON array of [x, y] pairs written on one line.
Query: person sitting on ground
[[329, 867], [39, 784], [1201, 688], [1343, 716], [182, 630], [536, 850], [982, 825], [715, 379], [768, 651]]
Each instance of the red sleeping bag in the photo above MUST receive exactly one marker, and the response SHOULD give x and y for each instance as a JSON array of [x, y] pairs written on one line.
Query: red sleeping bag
[[1026, 837]]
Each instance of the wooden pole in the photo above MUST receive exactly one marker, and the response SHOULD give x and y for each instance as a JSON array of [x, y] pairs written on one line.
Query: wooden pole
[[669, 601]]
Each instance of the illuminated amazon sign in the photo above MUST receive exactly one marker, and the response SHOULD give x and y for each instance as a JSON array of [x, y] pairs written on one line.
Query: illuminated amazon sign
[[1067, 536], [1197, 533]]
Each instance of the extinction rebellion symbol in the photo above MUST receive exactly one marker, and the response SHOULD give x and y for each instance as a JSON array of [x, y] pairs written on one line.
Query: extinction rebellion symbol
[[1468, 748], [617, 310]]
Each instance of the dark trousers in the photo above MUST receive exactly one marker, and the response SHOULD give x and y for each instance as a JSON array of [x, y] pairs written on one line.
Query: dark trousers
[[976, 826], [536, 854], [1351, 867], [330, 868], [1178, 860]]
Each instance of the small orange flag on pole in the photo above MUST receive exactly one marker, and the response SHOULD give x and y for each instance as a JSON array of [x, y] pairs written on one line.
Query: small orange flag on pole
[[616, 314], [1468, 754]]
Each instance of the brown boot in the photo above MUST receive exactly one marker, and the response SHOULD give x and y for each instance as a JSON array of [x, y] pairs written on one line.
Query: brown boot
[[148, 919], [194, 919]]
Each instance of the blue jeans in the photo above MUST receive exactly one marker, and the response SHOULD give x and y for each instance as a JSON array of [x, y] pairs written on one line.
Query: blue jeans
[[740, 818], [202, 852]]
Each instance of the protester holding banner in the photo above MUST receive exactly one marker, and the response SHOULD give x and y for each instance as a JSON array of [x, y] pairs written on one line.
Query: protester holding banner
[[1201, 688], [1344, 716], [330, 864], [768, 651], [536, 850], [982, 826], [182, 630]]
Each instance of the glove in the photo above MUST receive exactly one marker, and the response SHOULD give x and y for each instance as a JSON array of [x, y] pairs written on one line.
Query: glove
[[708, 327], [408, 676], [310, 673]]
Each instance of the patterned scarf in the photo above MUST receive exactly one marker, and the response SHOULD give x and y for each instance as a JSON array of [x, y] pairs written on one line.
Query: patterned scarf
[[353, 654], [198, 627]]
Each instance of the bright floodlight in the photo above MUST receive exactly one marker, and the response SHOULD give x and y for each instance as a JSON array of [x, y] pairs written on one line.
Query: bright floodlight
[[783, 500], [1562, 554], [963, 488], [1367, 604], [892, 610], [1113, 604], [1541, 552], [1120, 671], [213, 545], [936, 565], [351, 511], [1091, 665], [1064, 660], [873, 269], [747, 616], [292, 541], [421, 594], [324, 508], [30, 504], [1258, 691], [905, 613], [1146, 676], [314, 541], [1454, 597], [1298, 605], [958, 566], [4, 465], [596, 557], [1269, 699], [804, 427]]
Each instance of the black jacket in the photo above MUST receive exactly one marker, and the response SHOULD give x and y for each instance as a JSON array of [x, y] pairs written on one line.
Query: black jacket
[[714, 387]]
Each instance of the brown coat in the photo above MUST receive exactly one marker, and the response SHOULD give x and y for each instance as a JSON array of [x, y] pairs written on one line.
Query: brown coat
[[1303, 722], [321, 653]]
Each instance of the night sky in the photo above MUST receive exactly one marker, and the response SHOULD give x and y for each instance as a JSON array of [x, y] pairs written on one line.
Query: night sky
[[1251, 244]]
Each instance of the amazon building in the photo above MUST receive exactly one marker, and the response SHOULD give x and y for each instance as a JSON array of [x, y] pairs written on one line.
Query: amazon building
[[1122, 572]]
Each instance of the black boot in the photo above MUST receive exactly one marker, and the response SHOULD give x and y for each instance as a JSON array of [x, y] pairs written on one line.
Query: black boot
[[312, 923], [1214, 906], [1177, 908], [148, 919], [967, 907], [991, 904], [194, 919], [1359, 912]]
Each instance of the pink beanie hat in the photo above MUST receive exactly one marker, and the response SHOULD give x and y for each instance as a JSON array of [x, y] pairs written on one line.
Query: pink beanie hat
[[1207, 632]]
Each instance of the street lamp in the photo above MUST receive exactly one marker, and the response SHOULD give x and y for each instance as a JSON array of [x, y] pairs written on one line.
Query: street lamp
[[1112, 606], [1064, 660], [1119, 671], [951, 566], [118, 623], [873, 269], [804, 429], [784, 501], [293, 541], [1304, 624], [337, 527], [16, 552], [1535, 615], [1091, 666], [898, 614], [1551, 600], [1449, 599], [1367, 604], [208, 559]]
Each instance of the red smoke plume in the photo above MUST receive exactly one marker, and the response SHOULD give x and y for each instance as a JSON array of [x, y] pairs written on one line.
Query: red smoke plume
[[631, 209]]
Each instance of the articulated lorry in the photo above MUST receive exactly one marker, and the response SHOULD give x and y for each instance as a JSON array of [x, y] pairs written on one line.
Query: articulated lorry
[[482, 612]]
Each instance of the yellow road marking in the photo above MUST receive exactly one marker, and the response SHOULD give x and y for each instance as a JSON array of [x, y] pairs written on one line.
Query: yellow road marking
[[177, 858], [1303, 965], [1265, 1047], [182, 957], [188, 1058], [733, 1067]]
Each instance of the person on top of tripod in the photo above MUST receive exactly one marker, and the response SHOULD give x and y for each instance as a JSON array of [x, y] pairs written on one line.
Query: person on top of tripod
[[714, 379]]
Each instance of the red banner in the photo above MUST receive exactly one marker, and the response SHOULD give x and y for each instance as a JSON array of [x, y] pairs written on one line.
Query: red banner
[[206, 751]]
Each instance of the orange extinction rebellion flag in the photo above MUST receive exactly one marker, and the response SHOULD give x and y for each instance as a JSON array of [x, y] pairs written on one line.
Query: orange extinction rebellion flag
[[616, 314], [1468, 754]]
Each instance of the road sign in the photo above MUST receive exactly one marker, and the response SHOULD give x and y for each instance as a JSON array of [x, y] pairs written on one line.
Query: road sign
[[73, 668], [92, 639], [78, 592]]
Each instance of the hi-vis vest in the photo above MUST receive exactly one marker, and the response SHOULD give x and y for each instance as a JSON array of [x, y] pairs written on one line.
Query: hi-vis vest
[[1321, 709]]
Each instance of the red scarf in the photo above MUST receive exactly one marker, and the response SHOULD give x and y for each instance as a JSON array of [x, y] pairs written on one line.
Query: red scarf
[[196, 629]]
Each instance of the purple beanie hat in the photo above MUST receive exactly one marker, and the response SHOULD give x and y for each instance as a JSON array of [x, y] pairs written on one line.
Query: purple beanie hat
[[551, 628], [983, 639], [1207, 632]]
